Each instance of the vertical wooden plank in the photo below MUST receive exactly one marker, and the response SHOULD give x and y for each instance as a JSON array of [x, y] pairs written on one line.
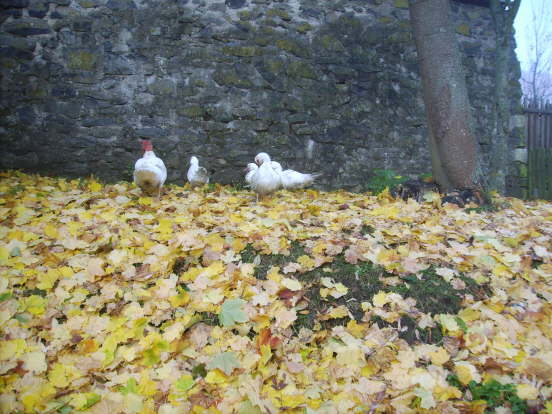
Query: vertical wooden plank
[[548, 172], [545, 179], [537, 170], [549, 130], [540, 172], [530, 130], [530, 173]]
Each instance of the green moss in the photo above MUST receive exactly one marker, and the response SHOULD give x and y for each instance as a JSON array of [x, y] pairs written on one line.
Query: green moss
[[274, 66], [231, 78], [304, 28], [193, 111], [300, 69], [82, 60], [262, 40], [8, 63], [242, 51], [463, 29], [87, 4], [432, 293], [267, 261], [401, 4], [292, 47], [270, 22], [282, 14], [400, 36], [245, 15], [385, 20], [332, 44]]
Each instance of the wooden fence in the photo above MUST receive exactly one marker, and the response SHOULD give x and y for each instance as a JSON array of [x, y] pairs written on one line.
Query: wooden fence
[[539, 149]]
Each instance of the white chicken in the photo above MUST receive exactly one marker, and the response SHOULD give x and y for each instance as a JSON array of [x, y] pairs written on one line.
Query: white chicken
[[197, 175], [292, 179], [265, 180], [250, 170], [150, 172]]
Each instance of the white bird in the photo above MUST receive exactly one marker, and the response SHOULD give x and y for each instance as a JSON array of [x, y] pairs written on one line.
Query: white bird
[[150, 172], [251, 169], [292, 179], [265, 180], [197, 175]]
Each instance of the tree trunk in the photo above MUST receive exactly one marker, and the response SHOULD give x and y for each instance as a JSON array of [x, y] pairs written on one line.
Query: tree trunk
[[454, 149], [503, 22]]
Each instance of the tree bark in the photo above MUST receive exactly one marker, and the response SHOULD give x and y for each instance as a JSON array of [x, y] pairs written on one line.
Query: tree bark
[[503, 19], [454, 148]]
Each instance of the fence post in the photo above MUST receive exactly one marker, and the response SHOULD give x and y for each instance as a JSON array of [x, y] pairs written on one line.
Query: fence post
[[538, 132]]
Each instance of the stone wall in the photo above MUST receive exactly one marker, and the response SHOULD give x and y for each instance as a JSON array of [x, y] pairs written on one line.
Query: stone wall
[[321, 85]]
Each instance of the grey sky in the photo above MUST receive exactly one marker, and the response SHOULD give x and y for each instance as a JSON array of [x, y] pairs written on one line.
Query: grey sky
[[523, 25]]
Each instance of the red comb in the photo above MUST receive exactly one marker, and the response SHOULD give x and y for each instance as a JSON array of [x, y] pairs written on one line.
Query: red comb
[[146, 145]]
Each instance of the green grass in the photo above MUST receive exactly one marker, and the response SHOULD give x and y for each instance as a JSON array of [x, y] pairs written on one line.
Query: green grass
[[493, 393], [433, 294]]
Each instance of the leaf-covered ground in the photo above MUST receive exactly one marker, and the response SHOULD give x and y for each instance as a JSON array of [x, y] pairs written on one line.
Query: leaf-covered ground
[[308, 302]]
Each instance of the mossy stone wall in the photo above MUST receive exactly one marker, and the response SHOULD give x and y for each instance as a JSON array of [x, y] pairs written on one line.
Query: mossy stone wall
[[326, 86]]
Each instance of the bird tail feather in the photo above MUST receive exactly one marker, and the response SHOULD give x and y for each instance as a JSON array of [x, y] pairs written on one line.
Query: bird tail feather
[[146, 179]]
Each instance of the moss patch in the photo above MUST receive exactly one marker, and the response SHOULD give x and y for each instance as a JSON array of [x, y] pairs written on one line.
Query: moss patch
[[82, 60], [433, 294]]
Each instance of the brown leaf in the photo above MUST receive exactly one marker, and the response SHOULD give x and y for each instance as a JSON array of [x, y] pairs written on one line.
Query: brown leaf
[[202, 399]]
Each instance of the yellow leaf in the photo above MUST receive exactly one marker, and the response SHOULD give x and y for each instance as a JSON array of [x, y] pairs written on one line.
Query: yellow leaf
[[306, 261], [34, 304], [380, 299], [439, 357], [469, 314], [47, 280], [449, 322], [215, 242], [145, 201], [147, 386], [216, 376], [37, 396], [12, 348], [165, 226], [292, 401], [179, 300], [4, 254], [50, 231], [291, 284], [446, 393], [58, 376], [35, 362], [266, 354], [338, 312], [385, 212], [356, 329], [466, 372], [527, 392], [350, 356], [94, 186]]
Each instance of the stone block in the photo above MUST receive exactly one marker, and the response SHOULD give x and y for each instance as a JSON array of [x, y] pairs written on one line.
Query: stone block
[[162, 87], [235, 4], [28, 27], [119, 5], [38, 9], [16, 4], [241, 51], [293, 47], [299, 69], [463, 29], [520, 154], [82, 60]]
